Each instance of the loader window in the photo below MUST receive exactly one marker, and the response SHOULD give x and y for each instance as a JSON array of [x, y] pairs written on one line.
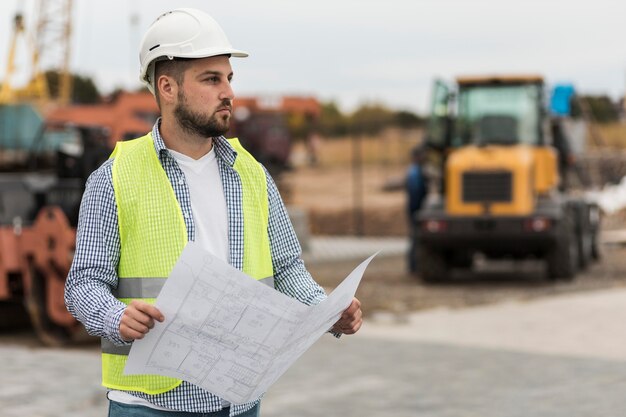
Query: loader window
[[498, 114]]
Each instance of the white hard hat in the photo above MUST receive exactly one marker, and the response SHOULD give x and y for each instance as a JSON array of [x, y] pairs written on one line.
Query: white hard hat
[[182, 33]]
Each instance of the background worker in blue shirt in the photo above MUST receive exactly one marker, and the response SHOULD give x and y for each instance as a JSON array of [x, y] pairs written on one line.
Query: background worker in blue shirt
[[416, 189]]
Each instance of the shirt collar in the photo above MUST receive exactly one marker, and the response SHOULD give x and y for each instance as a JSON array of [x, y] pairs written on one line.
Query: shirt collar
[[223, 149]]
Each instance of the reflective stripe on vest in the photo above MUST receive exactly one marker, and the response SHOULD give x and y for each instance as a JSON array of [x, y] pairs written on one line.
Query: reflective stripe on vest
[[153, 234], [151, 287]]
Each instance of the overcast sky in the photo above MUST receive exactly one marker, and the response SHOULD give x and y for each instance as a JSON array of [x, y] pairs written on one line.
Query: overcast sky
[[353, 51]]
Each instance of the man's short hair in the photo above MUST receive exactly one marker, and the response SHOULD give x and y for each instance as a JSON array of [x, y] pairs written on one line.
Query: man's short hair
[[174, 68], [418, 152]]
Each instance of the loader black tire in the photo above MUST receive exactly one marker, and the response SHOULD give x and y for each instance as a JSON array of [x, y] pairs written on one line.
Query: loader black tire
[[584, 235], [596, 248], [432, 265], [596, 253], [563, 258]]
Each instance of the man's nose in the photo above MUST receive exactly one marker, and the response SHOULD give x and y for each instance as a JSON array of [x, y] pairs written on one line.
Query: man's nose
[[227, 93]]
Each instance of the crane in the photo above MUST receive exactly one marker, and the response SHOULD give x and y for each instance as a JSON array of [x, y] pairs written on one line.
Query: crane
[[50, 48]]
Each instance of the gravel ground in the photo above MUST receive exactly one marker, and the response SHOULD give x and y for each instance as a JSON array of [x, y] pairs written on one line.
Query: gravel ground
[[387, 288]]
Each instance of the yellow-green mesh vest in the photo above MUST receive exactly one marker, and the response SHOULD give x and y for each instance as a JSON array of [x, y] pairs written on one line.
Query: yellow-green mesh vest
[[153, 234]]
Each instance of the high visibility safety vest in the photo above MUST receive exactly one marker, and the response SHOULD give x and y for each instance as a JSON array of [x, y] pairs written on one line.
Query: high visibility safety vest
[[153, 234]]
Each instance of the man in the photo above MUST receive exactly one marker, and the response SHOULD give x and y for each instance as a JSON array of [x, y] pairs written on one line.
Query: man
[[182, 182], [565, 157], [416, 190]]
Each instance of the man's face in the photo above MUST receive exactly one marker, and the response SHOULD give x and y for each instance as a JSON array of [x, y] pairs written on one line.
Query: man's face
[[205, 97]]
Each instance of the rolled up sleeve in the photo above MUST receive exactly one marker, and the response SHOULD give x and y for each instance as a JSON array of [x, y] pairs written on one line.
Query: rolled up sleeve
[[93, 272], [290, 275]]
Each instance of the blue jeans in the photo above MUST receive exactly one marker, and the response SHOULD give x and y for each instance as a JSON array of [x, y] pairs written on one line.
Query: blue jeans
[[126, 410]]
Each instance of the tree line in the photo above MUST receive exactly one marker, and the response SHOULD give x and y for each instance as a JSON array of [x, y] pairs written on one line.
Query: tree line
[[367, 119]]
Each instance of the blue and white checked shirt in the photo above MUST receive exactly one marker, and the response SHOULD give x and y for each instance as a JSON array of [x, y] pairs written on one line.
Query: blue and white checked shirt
[[94, 269]]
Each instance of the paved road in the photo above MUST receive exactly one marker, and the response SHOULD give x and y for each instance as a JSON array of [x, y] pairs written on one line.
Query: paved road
[[563, 356]]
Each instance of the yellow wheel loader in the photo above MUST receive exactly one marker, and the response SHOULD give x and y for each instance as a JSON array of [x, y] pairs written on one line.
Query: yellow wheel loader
[[498, 193]]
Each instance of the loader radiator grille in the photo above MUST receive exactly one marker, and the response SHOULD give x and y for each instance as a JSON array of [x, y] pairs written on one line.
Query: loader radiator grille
[[487, 187]]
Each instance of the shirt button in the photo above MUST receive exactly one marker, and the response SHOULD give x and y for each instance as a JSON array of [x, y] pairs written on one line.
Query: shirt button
[[181, 181], [186, 215]]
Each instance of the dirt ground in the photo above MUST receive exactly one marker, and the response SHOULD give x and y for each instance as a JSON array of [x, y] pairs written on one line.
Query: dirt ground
[[337, 205], [387, 289]]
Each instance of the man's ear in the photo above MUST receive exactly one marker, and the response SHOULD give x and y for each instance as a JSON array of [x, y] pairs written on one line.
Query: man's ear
[[168, 89]]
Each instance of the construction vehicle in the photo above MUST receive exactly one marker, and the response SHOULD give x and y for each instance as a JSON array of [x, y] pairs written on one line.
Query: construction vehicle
[[49, 46], [38, 215], [43, 170], [264, 134], [263, 126], [499, 192]]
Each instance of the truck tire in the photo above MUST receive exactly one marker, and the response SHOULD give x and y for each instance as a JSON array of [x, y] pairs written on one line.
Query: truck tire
[[432, 265], [596, 253], [594, 217], [584, 235], [562, 259]]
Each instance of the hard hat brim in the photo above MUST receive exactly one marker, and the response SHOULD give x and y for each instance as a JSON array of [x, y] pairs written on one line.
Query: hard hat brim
[[206, 53]]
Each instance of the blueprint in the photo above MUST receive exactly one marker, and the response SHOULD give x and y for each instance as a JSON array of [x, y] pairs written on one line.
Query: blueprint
[[228, 333]]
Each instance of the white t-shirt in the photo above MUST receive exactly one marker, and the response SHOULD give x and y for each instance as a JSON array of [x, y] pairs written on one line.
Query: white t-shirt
[[208, 203], [208, 206]]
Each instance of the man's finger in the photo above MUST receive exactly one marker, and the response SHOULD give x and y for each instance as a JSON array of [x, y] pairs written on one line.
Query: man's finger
[[352, 308], [354, 328], [150, 310], [350, 321], [137, 320], [129, 334], [139, 316], [136, 325]]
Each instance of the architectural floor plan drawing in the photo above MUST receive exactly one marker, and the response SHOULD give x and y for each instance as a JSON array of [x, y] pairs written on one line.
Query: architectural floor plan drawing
[[228, 333]]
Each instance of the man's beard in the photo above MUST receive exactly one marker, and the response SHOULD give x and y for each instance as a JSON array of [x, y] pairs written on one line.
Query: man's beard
[[199, 123]]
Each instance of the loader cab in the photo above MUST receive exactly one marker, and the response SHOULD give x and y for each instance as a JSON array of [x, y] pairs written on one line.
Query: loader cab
[[485, 111], [499, 112]]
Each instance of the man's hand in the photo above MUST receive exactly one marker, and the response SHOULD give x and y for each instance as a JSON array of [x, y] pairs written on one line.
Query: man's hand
[[138, 319], [351, 319]]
